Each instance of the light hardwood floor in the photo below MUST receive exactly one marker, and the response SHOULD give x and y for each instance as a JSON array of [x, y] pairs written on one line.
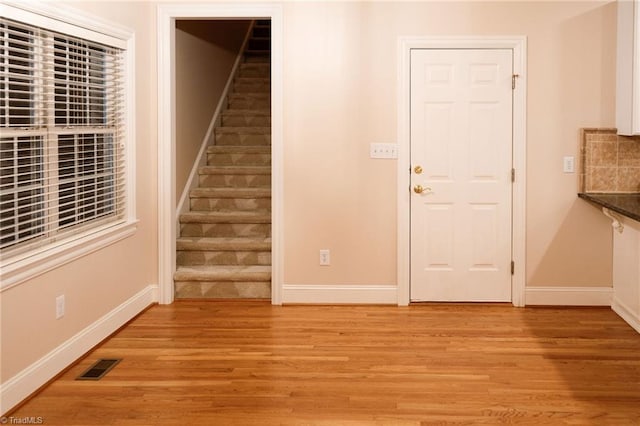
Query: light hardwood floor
[[227, 363]]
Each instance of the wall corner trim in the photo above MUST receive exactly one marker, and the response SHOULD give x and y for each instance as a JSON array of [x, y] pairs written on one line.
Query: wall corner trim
[[568, 296], [337, 294], [29, 380], [167, 13]]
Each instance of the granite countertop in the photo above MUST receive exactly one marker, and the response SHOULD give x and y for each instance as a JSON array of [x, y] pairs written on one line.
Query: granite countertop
[[625, 204]]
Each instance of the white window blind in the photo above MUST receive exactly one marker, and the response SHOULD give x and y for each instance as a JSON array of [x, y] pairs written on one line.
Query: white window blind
[[62, 163]]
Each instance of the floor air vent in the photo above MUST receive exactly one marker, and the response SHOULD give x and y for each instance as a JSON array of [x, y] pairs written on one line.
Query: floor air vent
[[99, 369]]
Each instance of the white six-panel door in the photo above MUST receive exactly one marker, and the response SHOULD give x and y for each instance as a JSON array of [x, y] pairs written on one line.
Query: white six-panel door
[[461, 161]]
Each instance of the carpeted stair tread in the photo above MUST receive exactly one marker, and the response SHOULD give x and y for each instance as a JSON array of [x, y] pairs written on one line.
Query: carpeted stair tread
[[249, 100], [256, 155], [252, 80], [262, 130], [219, 244], [259, 95], [205, 192], [243, 116], [223, 273], [235, 170], [251, 96], [260, 120], [255, 69], [243, 136], [254, 65], [223, 290], [238, 149], [246, 111], [257, 56], [225, 217], [252, 84]]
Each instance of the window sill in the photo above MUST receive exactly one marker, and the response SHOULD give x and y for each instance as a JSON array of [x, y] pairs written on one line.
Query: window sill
[[15, 271]]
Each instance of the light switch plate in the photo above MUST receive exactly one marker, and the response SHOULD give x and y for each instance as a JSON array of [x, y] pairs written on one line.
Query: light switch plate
[[568, 164], [384, 150], [325, 257]]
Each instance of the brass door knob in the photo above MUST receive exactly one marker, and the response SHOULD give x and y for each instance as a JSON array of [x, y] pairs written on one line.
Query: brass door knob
[[419, 189]]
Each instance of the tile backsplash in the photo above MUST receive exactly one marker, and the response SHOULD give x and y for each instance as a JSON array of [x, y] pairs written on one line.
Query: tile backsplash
[[609, 163]]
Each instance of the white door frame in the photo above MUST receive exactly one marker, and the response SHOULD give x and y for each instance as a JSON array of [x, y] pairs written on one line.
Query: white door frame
[[519, 46], [167, 221]]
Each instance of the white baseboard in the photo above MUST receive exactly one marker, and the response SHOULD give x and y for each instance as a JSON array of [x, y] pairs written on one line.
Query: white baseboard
[[632, 318], [569, 296], [387, 294], [335, 294], [23, 384]]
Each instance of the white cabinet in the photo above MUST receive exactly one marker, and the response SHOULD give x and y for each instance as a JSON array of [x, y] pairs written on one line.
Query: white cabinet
[[628, 68], [626, 272]]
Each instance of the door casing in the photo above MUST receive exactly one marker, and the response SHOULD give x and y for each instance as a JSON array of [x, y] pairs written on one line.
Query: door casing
[[167, 223], [518, 44]]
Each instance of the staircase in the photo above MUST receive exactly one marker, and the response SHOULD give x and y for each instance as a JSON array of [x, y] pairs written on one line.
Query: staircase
[[224, 247]]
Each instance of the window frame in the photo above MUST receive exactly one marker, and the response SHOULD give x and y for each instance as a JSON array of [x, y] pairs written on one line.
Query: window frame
[[16, 269]]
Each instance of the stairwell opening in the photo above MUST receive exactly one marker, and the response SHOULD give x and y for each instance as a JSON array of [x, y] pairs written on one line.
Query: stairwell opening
[[223, 159]]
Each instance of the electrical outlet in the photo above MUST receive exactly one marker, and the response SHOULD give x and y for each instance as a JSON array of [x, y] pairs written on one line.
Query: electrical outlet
[[383, 150], [325, 257], [568, 164], [59, 307]]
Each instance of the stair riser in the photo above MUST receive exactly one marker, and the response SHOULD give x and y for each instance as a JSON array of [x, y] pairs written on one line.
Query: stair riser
[[235, 181], [255, 70], [231, 204], [260, 43], [262, 230], [246, 120], [252, 87], [243, 131], [260, 58], [261, 31], [242, 139], [224, 159], [248, 103], [222, 290], [197, 258]]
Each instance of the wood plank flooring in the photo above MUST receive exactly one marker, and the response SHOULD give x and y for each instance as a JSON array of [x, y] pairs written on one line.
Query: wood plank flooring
[[250, 363]]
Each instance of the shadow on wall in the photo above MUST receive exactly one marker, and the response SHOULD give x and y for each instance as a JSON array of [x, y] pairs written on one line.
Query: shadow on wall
[[566, 263], [576, 251]]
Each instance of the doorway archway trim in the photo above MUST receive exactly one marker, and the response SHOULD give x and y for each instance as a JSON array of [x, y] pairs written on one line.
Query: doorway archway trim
[[519, 46], [166, 175]]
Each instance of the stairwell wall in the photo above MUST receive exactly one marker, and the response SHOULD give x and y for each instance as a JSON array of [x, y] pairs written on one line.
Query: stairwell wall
[[205, 54]]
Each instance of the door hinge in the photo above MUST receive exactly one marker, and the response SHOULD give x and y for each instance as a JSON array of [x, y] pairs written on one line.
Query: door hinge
[[513, 81], [513, 267], [513, 175]]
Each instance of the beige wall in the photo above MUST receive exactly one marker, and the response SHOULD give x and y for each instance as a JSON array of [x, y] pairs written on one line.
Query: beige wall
[[205, 53], [341, 95], [99, 282]]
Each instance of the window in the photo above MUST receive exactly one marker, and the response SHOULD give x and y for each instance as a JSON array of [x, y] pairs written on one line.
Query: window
[[63, 139]]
